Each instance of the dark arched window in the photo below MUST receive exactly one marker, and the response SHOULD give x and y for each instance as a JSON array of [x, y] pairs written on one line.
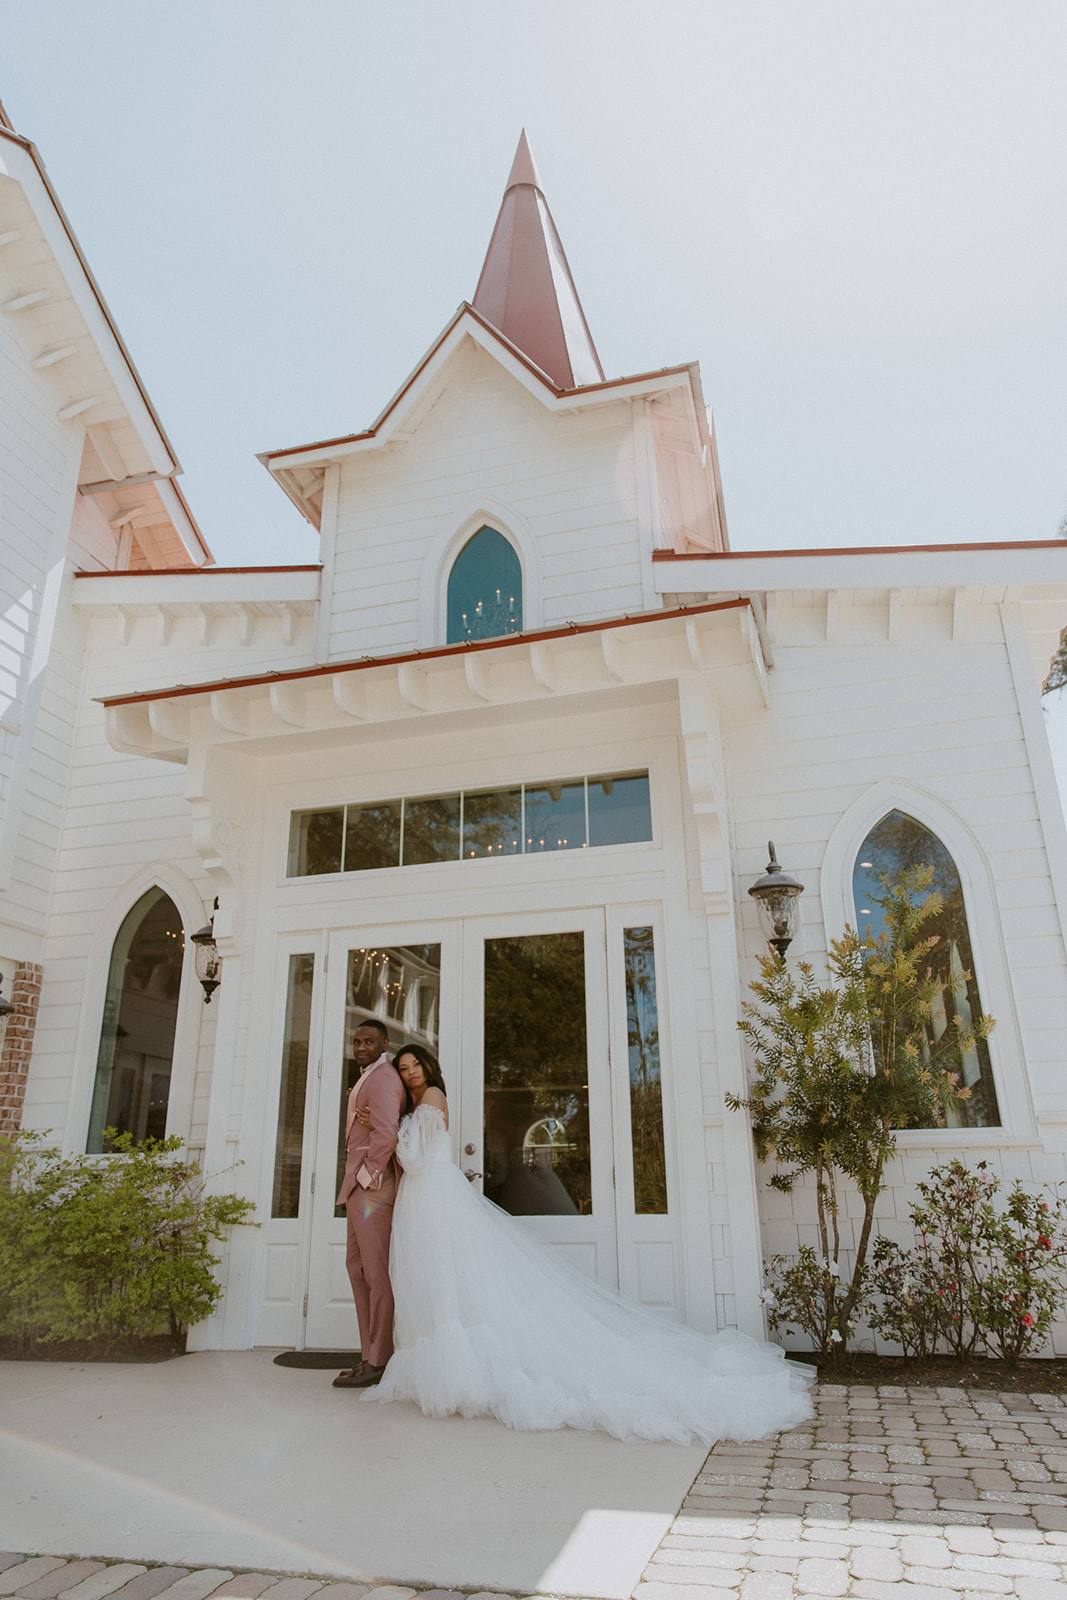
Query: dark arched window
[[893, 846], [133, 1063], [484, 589]]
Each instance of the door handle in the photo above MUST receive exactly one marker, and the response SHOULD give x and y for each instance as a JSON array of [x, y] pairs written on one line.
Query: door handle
[[470, 1175]]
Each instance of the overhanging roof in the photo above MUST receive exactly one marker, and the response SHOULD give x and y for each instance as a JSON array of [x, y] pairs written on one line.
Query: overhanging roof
[[319, 705]]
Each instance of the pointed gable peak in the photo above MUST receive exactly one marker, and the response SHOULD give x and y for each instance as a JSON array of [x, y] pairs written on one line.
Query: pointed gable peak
[[526, 290]]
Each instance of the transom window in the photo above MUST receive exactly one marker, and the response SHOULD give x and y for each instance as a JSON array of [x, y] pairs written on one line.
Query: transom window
[[525, 819], [484, 589], [892, 847]]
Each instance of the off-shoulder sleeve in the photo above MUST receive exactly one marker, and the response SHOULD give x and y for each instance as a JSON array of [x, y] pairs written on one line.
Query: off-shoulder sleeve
[[420, 1138]]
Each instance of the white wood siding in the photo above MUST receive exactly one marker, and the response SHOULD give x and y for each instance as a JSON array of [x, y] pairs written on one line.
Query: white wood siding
[[569, 480], [944, 718], [38, 457]]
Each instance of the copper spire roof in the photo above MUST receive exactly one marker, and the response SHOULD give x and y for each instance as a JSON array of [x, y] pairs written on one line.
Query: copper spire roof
[[526, 289]]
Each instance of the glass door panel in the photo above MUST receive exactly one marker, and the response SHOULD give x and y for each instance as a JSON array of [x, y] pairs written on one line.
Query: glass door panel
[[536, 1103], [292, 1095], [535, 1076], [401, 986], [371, 974]]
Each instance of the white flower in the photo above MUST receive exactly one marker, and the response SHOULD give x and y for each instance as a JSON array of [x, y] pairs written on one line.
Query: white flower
[[835, 1337], [769, 1297], [832, 1268]]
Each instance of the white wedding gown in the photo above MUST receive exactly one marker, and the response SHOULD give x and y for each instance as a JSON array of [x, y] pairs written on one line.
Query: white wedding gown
[[490, 1322]]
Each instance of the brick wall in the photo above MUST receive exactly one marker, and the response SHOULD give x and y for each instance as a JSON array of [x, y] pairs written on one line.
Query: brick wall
[[17, 1046]]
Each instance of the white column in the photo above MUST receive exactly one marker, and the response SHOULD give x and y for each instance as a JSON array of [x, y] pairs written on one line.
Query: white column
[[705, 772], [219, 786]]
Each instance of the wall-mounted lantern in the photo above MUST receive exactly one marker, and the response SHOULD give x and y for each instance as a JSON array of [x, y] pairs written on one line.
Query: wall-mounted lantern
[[206, 957], [777, 896]]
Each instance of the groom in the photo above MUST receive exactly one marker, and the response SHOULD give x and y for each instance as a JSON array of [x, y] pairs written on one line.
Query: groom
[[367, 1193]]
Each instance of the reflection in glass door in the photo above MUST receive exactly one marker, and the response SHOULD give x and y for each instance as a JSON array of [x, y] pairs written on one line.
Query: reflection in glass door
[[536, 1076], [536, 1090], [400, 985]]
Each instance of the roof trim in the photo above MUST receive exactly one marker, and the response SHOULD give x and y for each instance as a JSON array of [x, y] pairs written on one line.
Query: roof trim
[[185, 572], [268, 457], [367, 663], [194, 526], [854, 550], [34, 155]]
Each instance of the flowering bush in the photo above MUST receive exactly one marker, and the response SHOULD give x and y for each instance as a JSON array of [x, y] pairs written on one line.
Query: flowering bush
[[1026, 1286], [840, 1068], [906, 1299], [976, 1277], [809, 1290]]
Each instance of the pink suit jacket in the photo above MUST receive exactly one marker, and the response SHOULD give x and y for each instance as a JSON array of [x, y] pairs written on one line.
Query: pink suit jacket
[[379, 1091]]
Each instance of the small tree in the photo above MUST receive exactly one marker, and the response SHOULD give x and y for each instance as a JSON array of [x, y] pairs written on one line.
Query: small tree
[[840, 1068]]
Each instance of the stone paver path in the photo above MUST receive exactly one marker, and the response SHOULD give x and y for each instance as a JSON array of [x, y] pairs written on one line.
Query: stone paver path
[[889, 1494]]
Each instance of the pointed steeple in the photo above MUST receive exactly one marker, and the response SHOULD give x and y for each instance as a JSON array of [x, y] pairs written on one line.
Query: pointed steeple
[[526, 289]]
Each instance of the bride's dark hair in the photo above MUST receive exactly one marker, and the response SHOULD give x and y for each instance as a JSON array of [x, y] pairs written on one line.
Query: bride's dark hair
[[429, 1064]]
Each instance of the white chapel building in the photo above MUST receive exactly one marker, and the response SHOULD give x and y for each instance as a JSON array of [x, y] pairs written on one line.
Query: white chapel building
[[498, 769]]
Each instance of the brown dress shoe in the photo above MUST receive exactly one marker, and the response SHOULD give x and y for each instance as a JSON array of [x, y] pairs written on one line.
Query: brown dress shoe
[[361, 1377]]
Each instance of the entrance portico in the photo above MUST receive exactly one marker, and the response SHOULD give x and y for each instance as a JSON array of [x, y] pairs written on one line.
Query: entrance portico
[[593, 938]]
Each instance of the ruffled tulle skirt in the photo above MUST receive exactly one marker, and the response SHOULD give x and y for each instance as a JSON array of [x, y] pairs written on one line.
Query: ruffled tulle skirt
[[490, 1322]]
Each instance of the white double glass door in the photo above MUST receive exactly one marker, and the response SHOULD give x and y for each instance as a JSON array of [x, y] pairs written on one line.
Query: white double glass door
[[517, 1010]]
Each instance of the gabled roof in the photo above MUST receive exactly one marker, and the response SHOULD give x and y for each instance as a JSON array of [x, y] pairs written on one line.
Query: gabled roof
[[527, 318], [526, 289], [62, 320], [300, 469]]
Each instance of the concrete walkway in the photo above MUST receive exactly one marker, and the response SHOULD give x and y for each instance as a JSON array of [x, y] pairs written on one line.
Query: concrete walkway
[[220, 1474], [222, 1459]]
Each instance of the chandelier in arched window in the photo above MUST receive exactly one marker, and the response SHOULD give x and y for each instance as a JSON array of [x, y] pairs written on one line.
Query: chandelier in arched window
[[484, 589]]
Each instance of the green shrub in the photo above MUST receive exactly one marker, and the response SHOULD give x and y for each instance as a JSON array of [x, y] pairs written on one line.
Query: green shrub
[[807, 1291], [106, 1248]]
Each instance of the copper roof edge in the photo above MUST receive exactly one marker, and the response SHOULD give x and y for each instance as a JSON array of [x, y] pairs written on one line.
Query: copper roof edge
[[465, 308], [186, 572], [439, 652], [855, 550]]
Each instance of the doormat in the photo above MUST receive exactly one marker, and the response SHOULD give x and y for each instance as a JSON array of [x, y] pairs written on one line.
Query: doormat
[[321, 1360]]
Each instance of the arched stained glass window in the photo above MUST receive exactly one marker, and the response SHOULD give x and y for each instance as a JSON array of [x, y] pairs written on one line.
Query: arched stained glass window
[[133, 1063], [893, 846], [484, 589]]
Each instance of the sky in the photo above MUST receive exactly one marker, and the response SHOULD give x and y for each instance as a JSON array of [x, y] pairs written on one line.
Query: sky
[[853, 216]]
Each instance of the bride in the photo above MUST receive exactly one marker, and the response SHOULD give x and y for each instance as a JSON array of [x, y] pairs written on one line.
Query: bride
[[490, 1322]]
